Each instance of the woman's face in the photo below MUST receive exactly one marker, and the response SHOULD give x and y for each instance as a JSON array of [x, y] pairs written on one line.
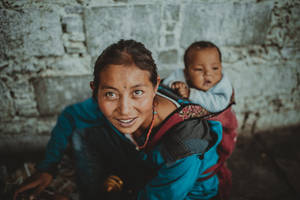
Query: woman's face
[[125, 96]]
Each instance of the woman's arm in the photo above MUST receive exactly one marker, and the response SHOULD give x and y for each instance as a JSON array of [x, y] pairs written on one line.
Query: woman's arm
[[58, 142]]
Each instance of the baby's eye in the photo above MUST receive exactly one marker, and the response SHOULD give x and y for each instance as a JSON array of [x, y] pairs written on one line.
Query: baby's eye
[[110, 95], [138, 92], [215, 68], [199, 69]]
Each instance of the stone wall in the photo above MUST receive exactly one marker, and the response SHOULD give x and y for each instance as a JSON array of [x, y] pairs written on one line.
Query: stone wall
[[47, 52]]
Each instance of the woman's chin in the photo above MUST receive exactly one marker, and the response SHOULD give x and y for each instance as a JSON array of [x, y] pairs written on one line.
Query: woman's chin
[[126, 129]]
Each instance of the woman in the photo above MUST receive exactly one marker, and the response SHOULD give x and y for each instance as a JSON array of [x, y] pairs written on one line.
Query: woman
[[146, 143], [125, 86]]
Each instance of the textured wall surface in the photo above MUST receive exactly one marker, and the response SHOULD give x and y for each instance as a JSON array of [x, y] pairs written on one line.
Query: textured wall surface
[[47, 52]]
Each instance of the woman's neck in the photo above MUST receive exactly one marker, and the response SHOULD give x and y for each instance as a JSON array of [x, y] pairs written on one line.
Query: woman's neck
[[163, 108]]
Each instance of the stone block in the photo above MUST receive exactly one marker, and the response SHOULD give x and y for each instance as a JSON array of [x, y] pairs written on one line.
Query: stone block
[[69, 9], [7, 110], [27, 126], [261, 80], [54, 93], [32, 32], [170, 40], [170, 26], [107, 25], [168, 57], [11, 34], [75, 47], [23, 95], [76, 37], [44, 33], [145, 25], [226, 23], [73, 64], [278, 120], [72, 24], [171, 12], [285, 26]]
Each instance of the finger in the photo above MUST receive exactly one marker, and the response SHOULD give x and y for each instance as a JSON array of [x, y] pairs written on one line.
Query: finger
[[183, 92], [183, 85], [27, 187]]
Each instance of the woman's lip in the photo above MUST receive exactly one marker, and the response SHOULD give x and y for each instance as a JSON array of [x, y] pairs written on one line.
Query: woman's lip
[[126, 122]]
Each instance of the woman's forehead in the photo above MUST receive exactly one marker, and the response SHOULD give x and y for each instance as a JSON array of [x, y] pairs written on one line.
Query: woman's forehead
[[124, 76]]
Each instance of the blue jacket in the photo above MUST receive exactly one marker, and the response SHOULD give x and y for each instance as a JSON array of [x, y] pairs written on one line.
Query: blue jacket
[[81, 115], [174, 179]]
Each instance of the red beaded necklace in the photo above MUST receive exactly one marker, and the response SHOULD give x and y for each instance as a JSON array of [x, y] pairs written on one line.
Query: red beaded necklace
[[148, 133]]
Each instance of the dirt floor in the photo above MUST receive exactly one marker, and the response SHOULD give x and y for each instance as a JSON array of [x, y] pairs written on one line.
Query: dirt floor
[[265, 166]]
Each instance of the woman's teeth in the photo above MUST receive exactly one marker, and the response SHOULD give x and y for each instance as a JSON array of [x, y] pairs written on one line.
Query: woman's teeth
[[126, 120]]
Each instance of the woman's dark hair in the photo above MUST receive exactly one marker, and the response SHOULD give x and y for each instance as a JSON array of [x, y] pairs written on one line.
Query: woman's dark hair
[[125, 52], [198, 46]]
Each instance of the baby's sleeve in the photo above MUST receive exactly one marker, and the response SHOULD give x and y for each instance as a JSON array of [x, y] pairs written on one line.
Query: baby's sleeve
[[214, 100], [177, 75]]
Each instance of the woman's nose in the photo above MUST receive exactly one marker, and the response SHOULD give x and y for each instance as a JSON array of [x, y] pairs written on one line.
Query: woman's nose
[[124, 105]]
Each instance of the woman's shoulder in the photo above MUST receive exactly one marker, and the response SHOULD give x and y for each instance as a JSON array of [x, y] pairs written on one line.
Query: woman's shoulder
[[163, 107]]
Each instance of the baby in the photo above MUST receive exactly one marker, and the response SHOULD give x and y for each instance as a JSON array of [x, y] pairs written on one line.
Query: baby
[[202, 80]]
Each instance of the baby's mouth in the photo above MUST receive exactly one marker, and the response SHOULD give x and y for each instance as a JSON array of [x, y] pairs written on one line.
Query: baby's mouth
[[207, 82]]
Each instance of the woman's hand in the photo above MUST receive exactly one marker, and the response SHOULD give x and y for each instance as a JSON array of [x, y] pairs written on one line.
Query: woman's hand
[[181, 88], [38, 182]]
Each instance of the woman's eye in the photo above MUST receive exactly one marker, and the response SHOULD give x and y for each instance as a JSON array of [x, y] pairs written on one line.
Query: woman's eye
[[138, 92], [110, 95]]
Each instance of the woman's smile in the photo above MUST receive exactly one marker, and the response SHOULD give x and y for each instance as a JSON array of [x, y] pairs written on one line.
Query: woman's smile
[[127, 122]]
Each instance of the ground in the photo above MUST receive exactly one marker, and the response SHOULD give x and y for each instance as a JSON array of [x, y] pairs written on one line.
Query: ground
[[265, 166]]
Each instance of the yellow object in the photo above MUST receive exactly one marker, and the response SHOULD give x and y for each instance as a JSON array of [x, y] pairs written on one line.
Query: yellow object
[[113, 183]]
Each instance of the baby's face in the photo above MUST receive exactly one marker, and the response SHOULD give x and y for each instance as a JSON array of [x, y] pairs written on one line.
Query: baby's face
[[205, 70]]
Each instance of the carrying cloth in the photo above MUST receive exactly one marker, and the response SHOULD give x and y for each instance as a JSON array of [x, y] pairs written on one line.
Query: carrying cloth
[[191, 111]]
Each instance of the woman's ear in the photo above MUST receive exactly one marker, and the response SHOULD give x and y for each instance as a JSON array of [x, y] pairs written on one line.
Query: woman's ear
[[157, 83], [92, 85]]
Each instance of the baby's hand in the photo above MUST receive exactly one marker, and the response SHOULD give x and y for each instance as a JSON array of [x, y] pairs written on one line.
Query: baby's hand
[[181, 88]]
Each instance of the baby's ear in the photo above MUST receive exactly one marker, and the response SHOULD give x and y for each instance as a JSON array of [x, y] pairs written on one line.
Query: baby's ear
[[92, 85]]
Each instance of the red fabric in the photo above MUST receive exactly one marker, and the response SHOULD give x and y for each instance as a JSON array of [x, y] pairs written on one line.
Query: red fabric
[[174, 119], [225, 149]]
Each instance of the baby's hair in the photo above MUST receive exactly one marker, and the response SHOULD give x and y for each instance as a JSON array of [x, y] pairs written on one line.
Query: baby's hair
[[199, 45], [127, 53]]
